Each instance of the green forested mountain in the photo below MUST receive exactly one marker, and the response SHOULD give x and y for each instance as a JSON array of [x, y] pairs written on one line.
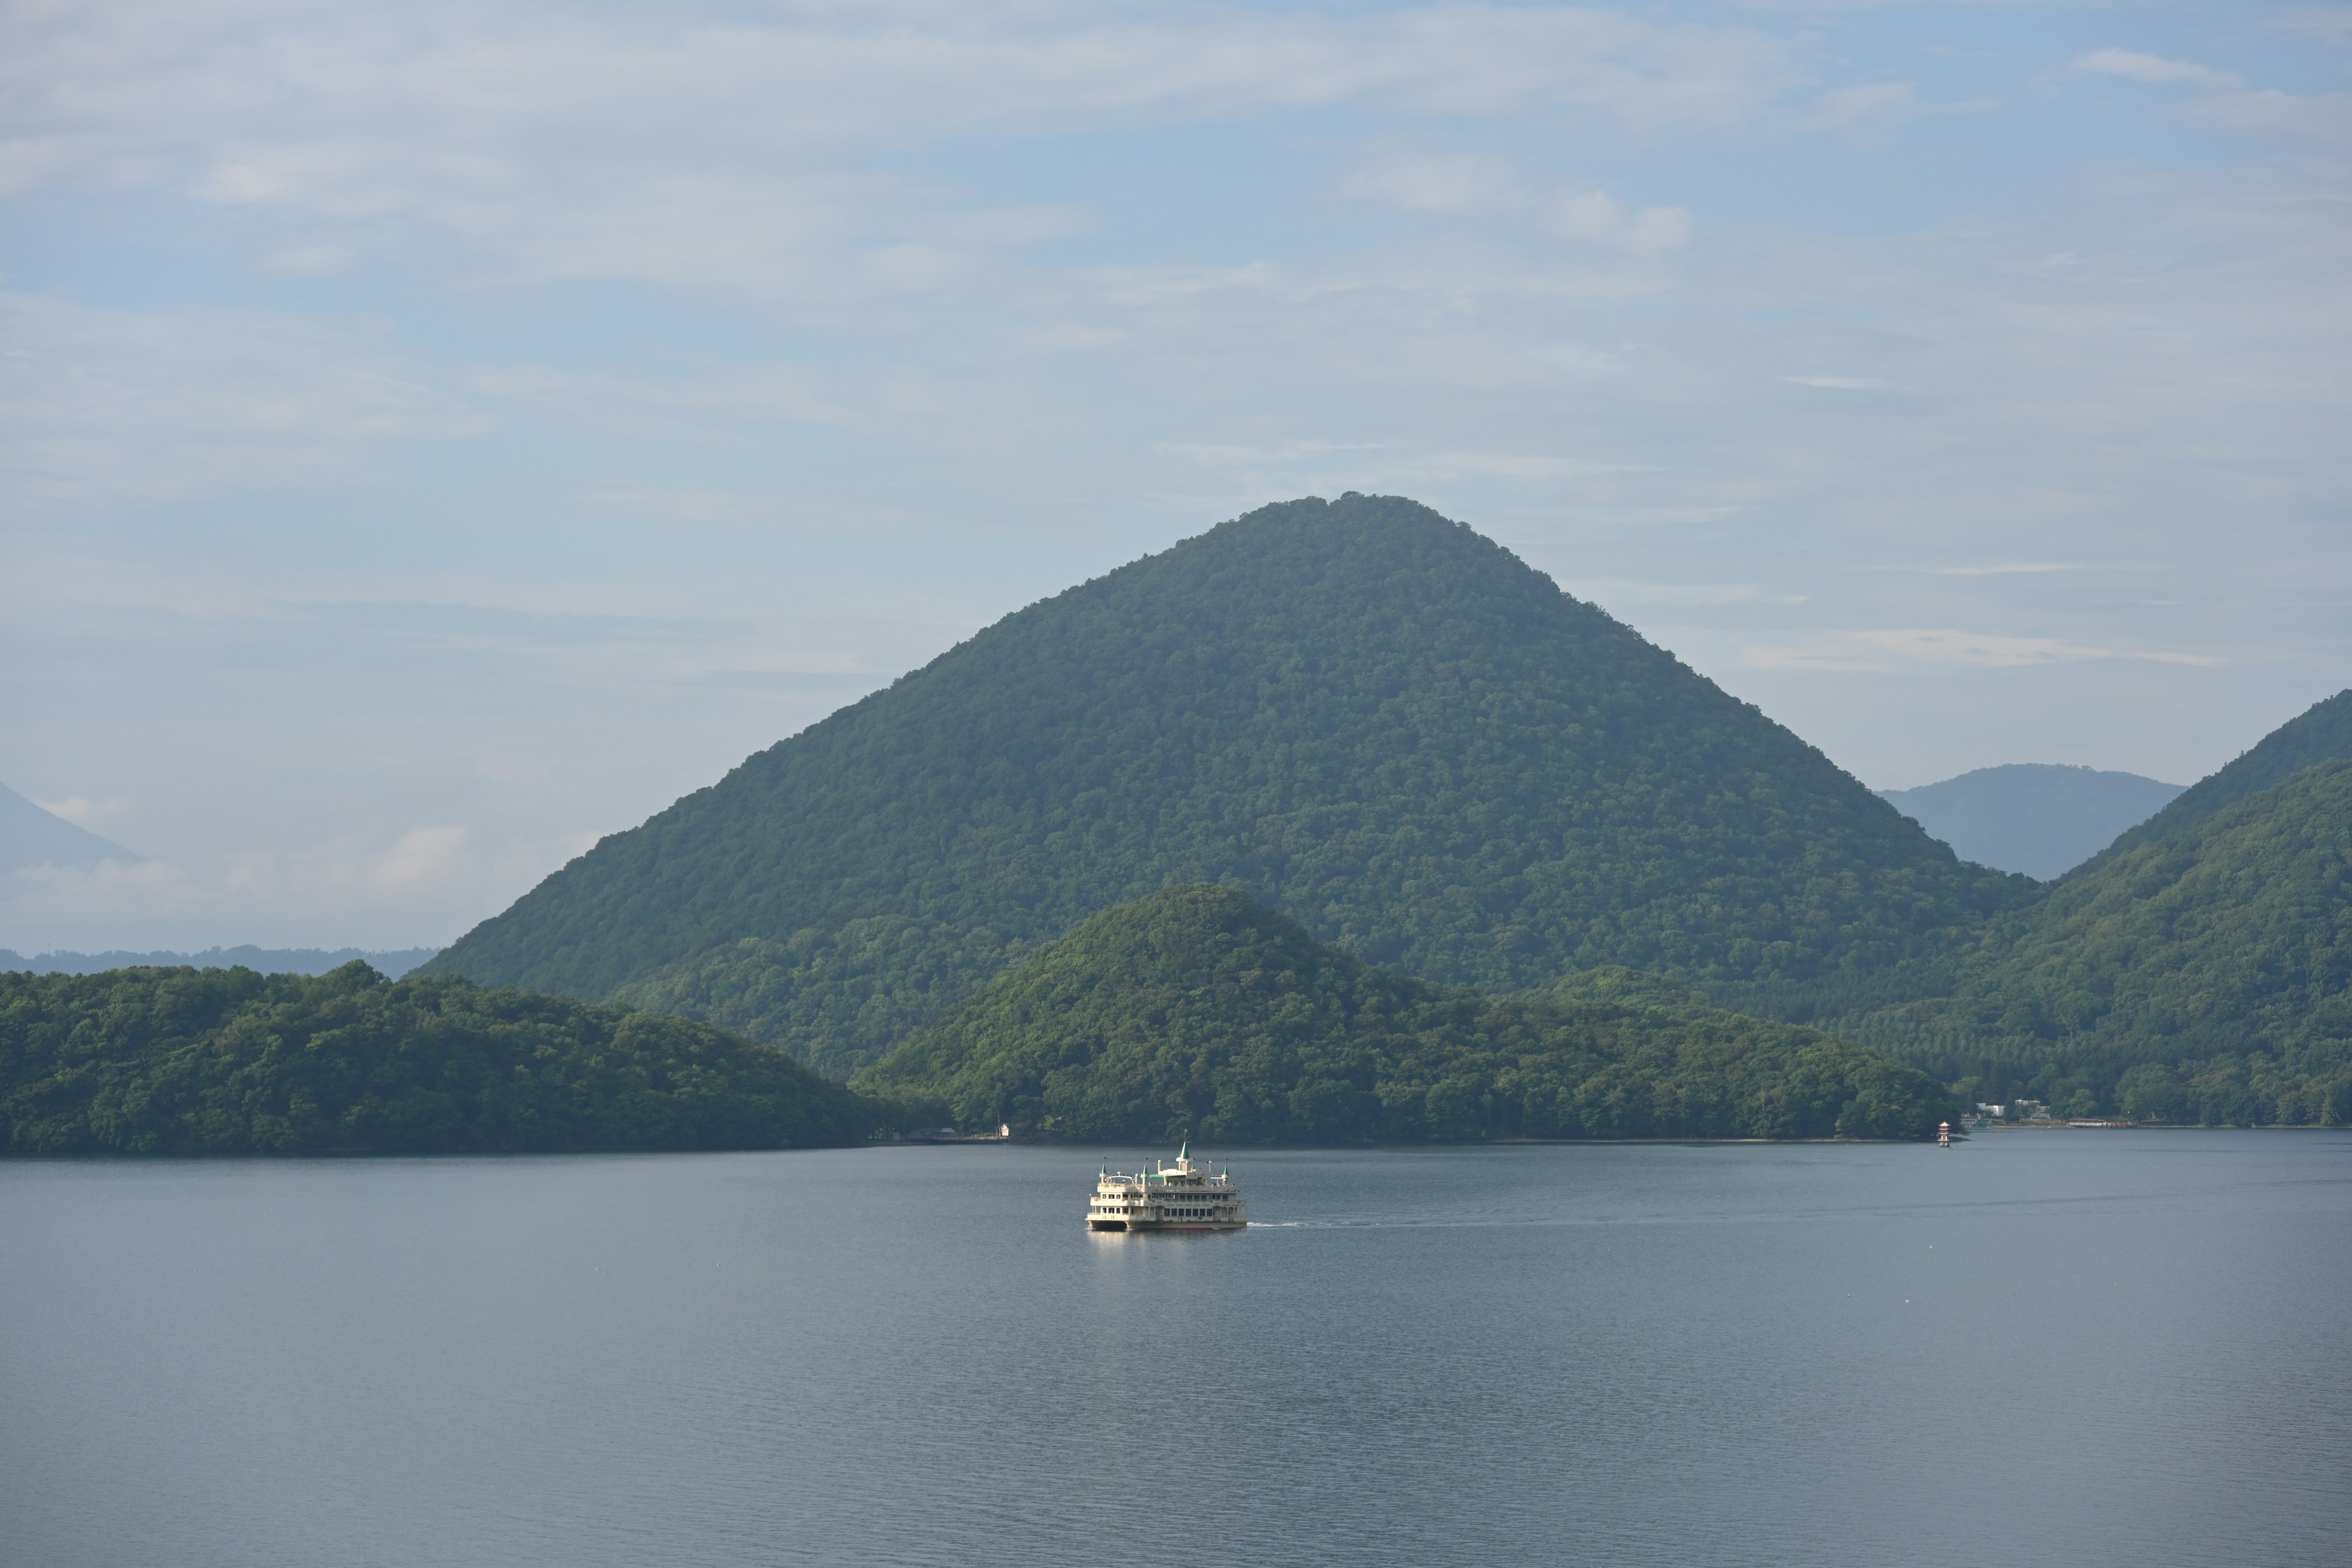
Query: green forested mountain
[[2202, 975], [1367, 716], [230, 1061], [1198, 1009], [2321, 733]]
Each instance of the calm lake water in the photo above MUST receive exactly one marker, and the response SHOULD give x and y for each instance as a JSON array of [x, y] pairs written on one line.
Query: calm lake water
[[2044, 1348]]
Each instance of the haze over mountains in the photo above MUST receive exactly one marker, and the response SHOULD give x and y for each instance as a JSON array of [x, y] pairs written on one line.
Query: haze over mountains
[[2039, 818], [1367, 716], [30, 835], [392, 963]]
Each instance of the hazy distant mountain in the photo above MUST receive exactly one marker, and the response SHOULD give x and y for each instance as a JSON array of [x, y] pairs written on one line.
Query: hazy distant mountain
[[2320, 733], [31, 837], [1369, 717], [2040, 818], [391, 964]]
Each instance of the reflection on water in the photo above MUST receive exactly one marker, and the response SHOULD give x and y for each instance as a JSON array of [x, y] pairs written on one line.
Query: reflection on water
[[2038, 1347]]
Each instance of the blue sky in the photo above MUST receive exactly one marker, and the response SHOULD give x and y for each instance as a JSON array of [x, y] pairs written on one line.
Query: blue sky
[[435, 436]]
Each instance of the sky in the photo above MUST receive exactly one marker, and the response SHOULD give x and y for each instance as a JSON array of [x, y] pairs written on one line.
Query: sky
[[435, 435]]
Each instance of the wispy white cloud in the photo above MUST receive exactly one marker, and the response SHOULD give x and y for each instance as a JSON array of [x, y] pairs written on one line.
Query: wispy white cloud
[[1539, 465], [424, 858], [550, 144], [1629, 594], [80, 810], [1476, 186], [1150, 285], [1890, 648], [1867, 105], [1392, 466], [1600, 217], [2155, 69], [2328, 24], [2011, 568], [690, 506], [2311, 117], [420, 886], [2228, 104], [696, 403], [1223, 455], [1452, 182], [99, 404]]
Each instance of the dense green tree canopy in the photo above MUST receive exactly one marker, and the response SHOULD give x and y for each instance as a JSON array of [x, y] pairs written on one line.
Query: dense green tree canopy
[[2219, 953], [1372, 718], [1196, 1009], [2321, 733], [230, 1061]]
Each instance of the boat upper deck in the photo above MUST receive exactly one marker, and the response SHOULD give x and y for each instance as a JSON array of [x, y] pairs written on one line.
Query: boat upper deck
[[1190, 1194], [1187, 1173]]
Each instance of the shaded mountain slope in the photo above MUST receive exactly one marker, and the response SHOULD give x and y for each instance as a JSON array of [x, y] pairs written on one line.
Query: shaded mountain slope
[[227, 1061], [1369, 716], [2221, 949], [1198, 1009], [32, 837], [2037, 818], [2321, 733]]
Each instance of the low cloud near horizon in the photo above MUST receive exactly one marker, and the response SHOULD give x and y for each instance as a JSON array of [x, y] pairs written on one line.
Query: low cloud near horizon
[[436, 438]]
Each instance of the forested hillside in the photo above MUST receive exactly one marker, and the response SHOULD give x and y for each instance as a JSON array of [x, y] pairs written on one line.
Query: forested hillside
[[222, 1061], [1369, 716], [2321, 733], [1198, 1009], [2203, 975]]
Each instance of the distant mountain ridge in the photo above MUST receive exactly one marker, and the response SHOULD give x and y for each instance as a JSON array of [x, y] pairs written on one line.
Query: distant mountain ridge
[[30, 835], [2037, 818], [392, 963], [1368, 715]]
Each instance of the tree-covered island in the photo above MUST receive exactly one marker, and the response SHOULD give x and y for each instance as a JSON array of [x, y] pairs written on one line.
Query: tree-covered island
[[1199, 1009], [226, 1061]]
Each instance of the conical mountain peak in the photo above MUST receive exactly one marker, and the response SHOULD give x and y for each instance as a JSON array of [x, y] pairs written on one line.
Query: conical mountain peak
[[1366, 714], [33, 835]]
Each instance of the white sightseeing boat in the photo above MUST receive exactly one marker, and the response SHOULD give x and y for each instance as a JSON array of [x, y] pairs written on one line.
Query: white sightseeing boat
[[1191, 1195]]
